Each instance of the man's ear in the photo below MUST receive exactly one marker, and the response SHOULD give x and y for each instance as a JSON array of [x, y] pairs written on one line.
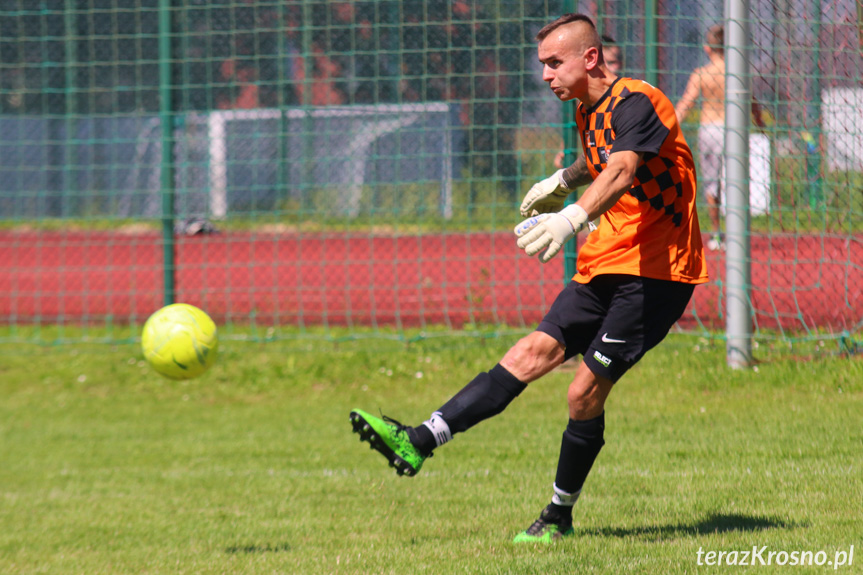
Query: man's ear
[[591, 58]]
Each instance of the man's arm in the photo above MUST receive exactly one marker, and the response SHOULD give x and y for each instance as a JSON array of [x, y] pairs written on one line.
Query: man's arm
[[577, 174], [550, 194], [546, 234], [614, 181]]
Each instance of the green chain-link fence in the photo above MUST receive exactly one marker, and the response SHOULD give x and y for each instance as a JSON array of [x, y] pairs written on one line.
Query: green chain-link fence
[[355, 167]]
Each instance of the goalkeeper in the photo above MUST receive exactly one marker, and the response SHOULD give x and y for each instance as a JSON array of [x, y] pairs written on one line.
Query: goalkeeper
[[636, 273]]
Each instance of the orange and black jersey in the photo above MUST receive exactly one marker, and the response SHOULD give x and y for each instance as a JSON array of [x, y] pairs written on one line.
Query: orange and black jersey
[[652, 230]]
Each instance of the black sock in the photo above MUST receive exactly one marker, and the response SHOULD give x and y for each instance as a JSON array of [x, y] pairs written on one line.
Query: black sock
[[581, 443], [560, 514], [422, 438], [485, 396]]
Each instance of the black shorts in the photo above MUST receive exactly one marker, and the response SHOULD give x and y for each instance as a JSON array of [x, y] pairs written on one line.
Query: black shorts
[[615, 319]]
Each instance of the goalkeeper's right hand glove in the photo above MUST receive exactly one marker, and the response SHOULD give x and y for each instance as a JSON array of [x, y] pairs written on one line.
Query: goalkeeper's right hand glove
[[545, 196], [545, 234]]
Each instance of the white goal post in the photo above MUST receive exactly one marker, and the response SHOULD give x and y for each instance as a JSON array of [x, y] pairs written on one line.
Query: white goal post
[[345, 136], [217, 137]]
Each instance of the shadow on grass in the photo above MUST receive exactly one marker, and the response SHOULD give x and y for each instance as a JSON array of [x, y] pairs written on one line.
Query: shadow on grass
[[713, 523], [257, 549]]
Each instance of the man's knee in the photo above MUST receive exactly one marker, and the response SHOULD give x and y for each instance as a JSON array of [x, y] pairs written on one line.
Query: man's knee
[[587, 394], [581, 405], [533, 356]]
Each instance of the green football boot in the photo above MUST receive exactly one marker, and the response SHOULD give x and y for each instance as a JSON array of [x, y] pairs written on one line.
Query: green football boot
[[547, 529], [390, 438]]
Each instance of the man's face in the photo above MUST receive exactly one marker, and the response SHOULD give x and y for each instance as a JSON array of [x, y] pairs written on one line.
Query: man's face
[[563, 68], [613, 59]]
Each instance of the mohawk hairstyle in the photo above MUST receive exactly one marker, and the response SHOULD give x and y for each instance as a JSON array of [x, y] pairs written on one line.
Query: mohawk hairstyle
[[565, 19]]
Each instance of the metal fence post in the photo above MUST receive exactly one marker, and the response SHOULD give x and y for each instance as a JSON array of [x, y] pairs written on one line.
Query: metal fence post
[[166, 120], [737, 111]]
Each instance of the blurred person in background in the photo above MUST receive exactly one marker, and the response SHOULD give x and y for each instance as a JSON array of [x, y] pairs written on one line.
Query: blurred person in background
[[708, 83]]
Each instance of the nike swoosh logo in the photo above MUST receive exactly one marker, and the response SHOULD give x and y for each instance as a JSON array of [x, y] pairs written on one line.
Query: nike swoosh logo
[[607, 339]]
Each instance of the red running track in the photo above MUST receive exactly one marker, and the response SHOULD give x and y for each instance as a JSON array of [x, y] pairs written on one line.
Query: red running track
[[799, 282]]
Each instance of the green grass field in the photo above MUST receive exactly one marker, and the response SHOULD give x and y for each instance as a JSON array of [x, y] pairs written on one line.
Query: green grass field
[[107, 468]]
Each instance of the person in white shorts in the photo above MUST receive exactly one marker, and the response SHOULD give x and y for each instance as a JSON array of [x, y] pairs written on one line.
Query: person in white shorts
[[708, 83]]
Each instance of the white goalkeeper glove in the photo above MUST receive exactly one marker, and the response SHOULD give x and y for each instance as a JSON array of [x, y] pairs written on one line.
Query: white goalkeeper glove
[[545, 196], [545, 234]]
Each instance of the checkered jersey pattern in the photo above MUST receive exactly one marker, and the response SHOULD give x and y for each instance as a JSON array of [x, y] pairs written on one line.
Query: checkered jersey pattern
[[652, 230], [656, 182], [660, 186], [597, 134]]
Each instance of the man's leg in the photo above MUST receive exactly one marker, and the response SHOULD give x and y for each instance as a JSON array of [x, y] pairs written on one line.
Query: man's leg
[[582, 440], [710, 139], [487, 395], [638, 317], [713, 208]]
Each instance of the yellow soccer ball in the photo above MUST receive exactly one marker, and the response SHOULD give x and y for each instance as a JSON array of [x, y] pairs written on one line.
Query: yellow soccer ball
[[180, 341]]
